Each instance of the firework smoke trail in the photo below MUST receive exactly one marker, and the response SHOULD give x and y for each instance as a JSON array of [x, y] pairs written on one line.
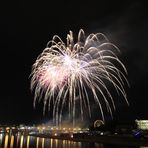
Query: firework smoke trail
[[63, 73]]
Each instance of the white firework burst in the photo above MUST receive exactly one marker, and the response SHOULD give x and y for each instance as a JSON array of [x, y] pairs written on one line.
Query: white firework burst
[[64, 73]]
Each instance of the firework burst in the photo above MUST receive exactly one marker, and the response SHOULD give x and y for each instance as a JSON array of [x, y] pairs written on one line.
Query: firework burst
[[63, 73]]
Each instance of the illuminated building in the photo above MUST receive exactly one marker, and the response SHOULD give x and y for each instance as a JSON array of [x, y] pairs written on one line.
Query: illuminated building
[[142, 124]]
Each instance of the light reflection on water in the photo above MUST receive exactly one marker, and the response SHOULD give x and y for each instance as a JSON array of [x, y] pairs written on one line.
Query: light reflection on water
[[28, 140], [25, 141], [6, 141], [12, 141]]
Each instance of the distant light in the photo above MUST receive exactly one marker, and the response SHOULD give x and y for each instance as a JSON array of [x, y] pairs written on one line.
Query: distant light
[[71, 136], [7, 128], [22, 127], [142, 124], [55, 134]]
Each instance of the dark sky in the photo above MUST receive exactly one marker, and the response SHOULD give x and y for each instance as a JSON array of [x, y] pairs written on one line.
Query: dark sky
[[26, 27]]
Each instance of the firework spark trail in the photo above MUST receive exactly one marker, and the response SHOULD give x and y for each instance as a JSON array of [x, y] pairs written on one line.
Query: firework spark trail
[[63, 73]]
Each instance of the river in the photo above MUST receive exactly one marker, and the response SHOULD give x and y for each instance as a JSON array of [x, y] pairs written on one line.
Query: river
[[25, 141]]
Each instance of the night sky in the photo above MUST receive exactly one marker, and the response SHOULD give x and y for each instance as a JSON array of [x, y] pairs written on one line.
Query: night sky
[[26, 27]]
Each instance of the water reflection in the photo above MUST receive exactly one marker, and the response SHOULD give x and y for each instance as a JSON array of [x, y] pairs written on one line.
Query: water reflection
[[25, 141], [43, 145], [1, 139], [12, 141], [21, 142], [6, 141]]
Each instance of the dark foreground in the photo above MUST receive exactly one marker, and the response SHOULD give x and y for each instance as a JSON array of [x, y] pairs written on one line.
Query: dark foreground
[[106, 139], [20, 140]]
